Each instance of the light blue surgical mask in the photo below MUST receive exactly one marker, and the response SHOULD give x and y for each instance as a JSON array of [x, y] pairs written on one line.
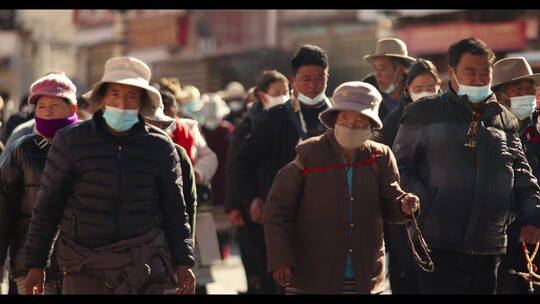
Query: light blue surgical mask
[[390, 89], [523, 106], [119, 119], [474, 94]]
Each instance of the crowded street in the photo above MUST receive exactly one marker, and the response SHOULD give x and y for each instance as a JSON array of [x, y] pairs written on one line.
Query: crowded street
[[269, 152]]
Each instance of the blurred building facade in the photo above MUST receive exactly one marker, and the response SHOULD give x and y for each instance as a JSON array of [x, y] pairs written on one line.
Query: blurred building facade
[[507, 32], [210, 48]]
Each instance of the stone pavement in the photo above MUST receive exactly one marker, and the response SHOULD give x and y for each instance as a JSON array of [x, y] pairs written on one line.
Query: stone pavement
[[229, 275]]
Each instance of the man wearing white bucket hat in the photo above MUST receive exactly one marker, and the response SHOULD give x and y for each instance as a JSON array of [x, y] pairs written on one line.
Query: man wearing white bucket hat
[[114, 186], [390, 62]]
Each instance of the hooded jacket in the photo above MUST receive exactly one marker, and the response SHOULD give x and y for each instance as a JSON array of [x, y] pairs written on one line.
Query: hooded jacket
[[102, 189], [469, 196]]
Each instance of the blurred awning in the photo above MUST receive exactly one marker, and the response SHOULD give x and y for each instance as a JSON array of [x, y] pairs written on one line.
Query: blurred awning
[[92, 36], [532, 57]]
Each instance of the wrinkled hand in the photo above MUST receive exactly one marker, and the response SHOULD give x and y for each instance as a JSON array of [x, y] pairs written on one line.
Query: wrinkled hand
[[186, 280], [256, 210], [409, 204], [33, 283], [530, 234], [235, 217], [283, 276]]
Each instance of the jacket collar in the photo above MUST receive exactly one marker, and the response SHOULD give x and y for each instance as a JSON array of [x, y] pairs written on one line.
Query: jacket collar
[[527, 123], [490, 107]]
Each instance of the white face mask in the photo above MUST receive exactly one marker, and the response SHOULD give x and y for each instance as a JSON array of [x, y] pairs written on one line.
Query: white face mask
[[311, 101], [523, 106], [236, 106], [351, 138], [415, 96], [272, 101], [211, 124]]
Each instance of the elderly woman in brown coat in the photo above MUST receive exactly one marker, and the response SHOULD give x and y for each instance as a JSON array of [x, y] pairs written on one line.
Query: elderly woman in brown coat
[[324, 215]]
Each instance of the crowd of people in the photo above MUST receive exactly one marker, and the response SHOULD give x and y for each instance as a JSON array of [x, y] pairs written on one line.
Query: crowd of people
[[112, 191]]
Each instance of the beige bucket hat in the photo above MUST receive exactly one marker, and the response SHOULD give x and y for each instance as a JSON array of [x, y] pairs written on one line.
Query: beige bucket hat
[[355, 96], [511, 69], [390, 47], [130, 71]]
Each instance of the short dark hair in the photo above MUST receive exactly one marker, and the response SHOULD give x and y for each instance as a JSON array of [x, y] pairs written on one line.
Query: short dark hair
[[471, 45], [395, 61], [169, 101], [266, 78], [82, 103], [422, 66], [309, 55]]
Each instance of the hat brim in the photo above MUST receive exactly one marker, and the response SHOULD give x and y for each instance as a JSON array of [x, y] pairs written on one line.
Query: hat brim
[[147, 109], [369, 58], [533, 77], [34, 97], [162, 120], [328, 117]]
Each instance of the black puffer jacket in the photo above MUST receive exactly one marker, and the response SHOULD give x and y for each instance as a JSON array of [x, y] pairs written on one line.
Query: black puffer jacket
[[20, 173], [103, 189], [241, 132], [469, 197], [271, 144]]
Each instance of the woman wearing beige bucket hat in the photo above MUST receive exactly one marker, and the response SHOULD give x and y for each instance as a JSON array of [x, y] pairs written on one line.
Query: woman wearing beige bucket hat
[[113, 185], [326, 209], [514, 84]]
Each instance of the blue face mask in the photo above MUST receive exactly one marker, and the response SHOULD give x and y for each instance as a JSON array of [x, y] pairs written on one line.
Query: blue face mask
[[390, 89], [523, 106], [120, 120], [474, 94]]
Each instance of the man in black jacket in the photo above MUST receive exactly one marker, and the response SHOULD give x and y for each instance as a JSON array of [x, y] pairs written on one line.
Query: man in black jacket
[[515, 87], [274, 136], [461, 154], [114, 185]]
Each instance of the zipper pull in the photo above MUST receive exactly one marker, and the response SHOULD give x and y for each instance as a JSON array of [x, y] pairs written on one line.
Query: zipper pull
[[119, 151]]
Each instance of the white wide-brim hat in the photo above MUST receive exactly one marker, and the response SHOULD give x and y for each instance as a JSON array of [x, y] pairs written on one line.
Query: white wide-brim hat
[[128, 71], [213, 107]]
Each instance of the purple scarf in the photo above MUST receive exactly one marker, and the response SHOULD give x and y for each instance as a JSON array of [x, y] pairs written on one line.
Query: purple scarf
[[49, 127]]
